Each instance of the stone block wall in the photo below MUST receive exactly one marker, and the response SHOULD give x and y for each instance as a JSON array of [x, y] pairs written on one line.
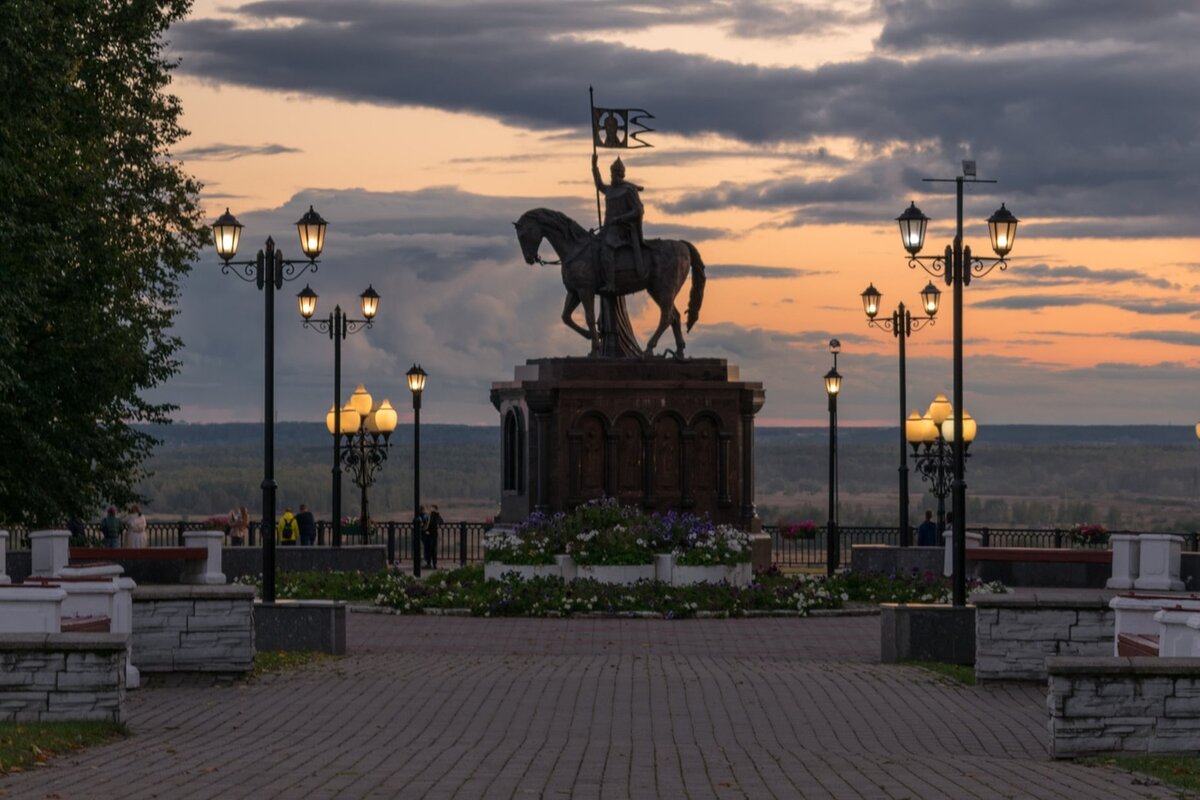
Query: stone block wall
[[193, 628], [1016, 633], [62, 676], [1123, 705]]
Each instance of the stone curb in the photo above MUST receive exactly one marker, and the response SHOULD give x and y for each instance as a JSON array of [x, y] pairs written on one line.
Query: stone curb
[[466, 612]]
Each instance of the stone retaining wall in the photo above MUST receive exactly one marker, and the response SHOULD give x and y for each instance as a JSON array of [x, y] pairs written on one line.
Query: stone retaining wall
[[62, 676], [1016, 633], [1123, 705], [193, 628]]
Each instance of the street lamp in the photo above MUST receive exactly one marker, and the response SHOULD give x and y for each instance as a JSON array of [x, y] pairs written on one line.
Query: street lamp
[[957, 265], [833, 385], [902, 326], [931, 437], [338, 326], [268, 271], [367, 428], [416, 384]]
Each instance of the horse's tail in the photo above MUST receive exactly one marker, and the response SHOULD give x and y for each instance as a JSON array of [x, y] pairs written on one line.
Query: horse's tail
[[696, 297]]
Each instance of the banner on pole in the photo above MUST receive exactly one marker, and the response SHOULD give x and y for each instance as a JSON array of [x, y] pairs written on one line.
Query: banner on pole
[[620, 127]]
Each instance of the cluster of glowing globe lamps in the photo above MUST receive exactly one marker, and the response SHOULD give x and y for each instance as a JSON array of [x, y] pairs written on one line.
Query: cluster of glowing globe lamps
[[938, 424], [361, 412]]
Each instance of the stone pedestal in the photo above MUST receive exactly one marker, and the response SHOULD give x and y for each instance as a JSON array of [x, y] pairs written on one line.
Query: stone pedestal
[[1125, 560], [1159, 559], [658, 434], [51, 550], [920, 632]]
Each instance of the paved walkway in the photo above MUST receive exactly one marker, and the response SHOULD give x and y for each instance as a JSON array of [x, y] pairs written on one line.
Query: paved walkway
[[455, 707]]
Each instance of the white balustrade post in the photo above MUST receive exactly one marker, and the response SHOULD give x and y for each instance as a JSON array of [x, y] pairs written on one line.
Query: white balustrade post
[[4, 557], [1125, 559], [1158, 562], [209, 571], [51, 552]]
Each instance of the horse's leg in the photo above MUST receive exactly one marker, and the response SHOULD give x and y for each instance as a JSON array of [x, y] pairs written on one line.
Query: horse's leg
[[572, 302], [664, 319], [589, 312], [677, 329]]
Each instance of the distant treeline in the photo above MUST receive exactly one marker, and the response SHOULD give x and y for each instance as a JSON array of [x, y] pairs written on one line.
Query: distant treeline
[[1017, 475]]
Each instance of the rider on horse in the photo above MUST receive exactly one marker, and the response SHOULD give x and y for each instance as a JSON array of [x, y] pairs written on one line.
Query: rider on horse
[[622, 223]]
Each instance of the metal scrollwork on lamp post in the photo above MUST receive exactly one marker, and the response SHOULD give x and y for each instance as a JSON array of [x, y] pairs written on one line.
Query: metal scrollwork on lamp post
[[902, 324], [268, 270], [366, 429], [338, 326], [957, 265], [931, 437]]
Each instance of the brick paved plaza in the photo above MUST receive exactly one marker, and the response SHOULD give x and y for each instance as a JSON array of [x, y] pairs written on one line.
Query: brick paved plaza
[[458, 707]]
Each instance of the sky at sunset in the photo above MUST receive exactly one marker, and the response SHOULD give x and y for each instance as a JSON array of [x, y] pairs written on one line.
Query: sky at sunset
[[788, 137]]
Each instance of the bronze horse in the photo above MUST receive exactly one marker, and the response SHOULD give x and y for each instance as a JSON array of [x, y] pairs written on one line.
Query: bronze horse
[[667, 264]]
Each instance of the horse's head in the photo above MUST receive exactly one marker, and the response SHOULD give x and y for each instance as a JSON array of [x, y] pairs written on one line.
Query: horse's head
[[529, 236]]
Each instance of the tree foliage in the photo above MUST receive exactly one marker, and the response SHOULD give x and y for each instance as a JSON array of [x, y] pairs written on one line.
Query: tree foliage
[[99, 225]]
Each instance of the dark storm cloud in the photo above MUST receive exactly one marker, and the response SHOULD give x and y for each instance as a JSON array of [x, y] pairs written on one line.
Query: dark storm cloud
[[1097, 134], [1047, 275], [758, 271], [229, 152], [1187, 338], [961, 24], [1033, 302]]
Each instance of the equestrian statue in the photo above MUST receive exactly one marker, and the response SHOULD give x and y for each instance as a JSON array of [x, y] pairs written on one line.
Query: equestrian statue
[[615, 261]]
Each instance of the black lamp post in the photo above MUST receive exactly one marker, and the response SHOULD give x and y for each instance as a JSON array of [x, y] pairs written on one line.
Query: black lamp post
[[931, 437], [367, 431], [957, 266], [338, 326], [268, 271], [416, 384], [902, 326], [833, 385]]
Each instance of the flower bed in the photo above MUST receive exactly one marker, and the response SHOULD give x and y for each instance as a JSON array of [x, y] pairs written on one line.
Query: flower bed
[[466, 590], [613, 544]]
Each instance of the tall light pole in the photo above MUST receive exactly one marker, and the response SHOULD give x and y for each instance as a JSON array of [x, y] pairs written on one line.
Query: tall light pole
[[902, 326], [338, 326], [931, 437], [957, 266], [268, 271], [416, 384], [833, 385], [368, 431]]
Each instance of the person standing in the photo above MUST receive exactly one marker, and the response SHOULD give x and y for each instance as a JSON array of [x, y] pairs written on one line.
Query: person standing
[[431, 536], [78, 532], [420, 528], [135, 528], [239, 526], [110, 528], [927, 531], [308, 526], [287, 530]]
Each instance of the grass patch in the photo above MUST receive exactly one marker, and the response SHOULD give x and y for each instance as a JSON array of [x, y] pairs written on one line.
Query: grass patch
[[1178, 772], [25, 744], [959, 673], [268, 661]]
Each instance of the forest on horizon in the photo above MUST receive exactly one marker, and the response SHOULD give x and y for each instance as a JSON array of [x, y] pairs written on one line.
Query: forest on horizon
[[1138, 477]]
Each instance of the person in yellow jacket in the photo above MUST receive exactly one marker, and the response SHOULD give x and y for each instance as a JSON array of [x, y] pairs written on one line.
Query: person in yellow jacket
[[287, 530]]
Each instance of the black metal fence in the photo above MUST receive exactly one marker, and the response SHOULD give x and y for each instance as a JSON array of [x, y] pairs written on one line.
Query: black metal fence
[[462, 542]]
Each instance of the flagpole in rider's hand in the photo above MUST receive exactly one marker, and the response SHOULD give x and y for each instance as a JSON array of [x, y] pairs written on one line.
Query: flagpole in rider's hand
[[595, 154]]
